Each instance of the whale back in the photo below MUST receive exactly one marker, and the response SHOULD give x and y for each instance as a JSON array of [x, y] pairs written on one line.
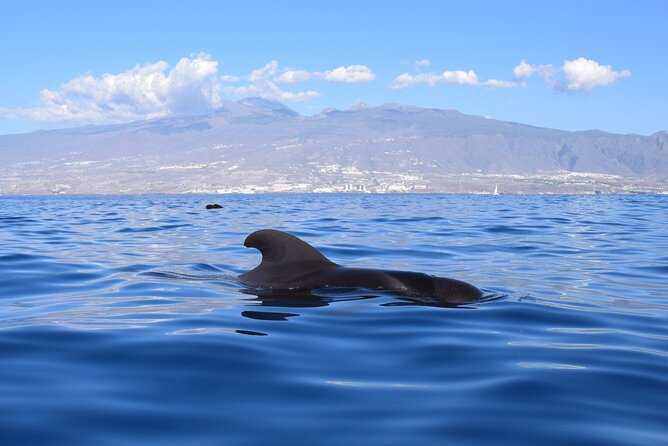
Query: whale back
[[289, 263], [285, 258]]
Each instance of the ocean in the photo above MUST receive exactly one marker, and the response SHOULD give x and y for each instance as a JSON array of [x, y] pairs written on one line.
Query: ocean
[[122, 322]]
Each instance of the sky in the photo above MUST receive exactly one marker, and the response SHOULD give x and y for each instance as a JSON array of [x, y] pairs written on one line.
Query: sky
[[571, 65]]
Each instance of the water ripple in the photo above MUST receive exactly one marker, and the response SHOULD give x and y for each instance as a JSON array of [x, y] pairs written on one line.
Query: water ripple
[[122, 322]]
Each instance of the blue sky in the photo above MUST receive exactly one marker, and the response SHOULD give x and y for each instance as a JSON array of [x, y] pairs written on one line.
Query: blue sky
[[571, 65]]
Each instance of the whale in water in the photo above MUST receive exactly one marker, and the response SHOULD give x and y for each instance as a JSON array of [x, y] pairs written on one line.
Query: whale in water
[[289, 263]]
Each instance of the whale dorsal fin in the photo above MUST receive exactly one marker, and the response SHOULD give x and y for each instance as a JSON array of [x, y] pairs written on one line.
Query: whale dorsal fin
[[283, 256]]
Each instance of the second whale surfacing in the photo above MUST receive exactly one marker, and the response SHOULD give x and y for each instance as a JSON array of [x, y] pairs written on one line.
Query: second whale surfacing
[[289, 263]]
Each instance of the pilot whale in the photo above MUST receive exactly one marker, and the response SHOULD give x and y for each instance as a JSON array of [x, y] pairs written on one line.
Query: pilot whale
[[289, 263]]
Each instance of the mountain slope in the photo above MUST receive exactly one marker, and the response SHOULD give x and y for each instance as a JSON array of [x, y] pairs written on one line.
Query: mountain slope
[[256, 142]]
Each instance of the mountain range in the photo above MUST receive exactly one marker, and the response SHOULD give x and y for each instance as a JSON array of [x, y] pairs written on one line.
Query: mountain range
[[258, 145]]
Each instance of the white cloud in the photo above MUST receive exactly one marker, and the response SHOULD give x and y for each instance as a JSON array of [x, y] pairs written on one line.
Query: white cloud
[[269, 70], [496, 83], [576, 75], [423, 62], [266, 81], [525, 70], [447, 77], [294, 77], [522, 70], [193, 85], [141, 92], [458, 77], [268, 89], [230, 78], [350, 74], [156, 89], [585, 74]]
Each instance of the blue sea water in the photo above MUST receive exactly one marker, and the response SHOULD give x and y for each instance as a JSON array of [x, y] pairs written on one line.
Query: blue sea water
[[121, 322]]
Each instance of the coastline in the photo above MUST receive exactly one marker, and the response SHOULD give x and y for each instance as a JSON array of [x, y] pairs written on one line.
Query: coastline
[[138, 183]]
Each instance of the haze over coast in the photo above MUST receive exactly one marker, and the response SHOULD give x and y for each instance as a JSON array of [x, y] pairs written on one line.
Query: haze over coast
[[256, 145]]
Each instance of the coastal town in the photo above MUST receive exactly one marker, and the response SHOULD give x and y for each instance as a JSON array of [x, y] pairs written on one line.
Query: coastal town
[[264, 147], [145, 176]]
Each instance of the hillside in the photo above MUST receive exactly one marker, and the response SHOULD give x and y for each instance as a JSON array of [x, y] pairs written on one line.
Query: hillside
[[261, 145]]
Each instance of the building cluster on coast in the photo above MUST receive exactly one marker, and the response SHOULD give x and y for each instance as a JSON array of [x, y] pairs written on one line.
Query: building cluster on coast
[[151, 176], [476, 183]]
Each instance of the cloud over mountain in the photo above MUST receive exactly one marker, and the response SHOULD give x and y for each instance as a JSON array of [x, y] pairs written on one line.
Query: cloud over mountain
[[141, 92], [585, 74], [267, 81], [457, 77], [157, 89], [194, 85], [579, 75]]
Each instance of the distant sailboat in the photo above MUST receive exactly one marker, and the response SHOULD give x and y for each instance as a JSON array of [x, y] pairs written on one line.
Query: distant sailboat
[[496, 190]]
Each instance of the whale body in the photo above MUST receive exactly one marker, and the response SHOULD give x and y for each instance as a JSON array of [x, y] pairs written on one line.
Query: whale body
[[289, 263]]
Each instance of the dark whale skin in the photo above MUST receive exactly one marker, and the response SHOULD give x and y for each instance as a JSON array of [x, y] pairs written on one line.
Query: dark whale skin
[[289, 263]]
